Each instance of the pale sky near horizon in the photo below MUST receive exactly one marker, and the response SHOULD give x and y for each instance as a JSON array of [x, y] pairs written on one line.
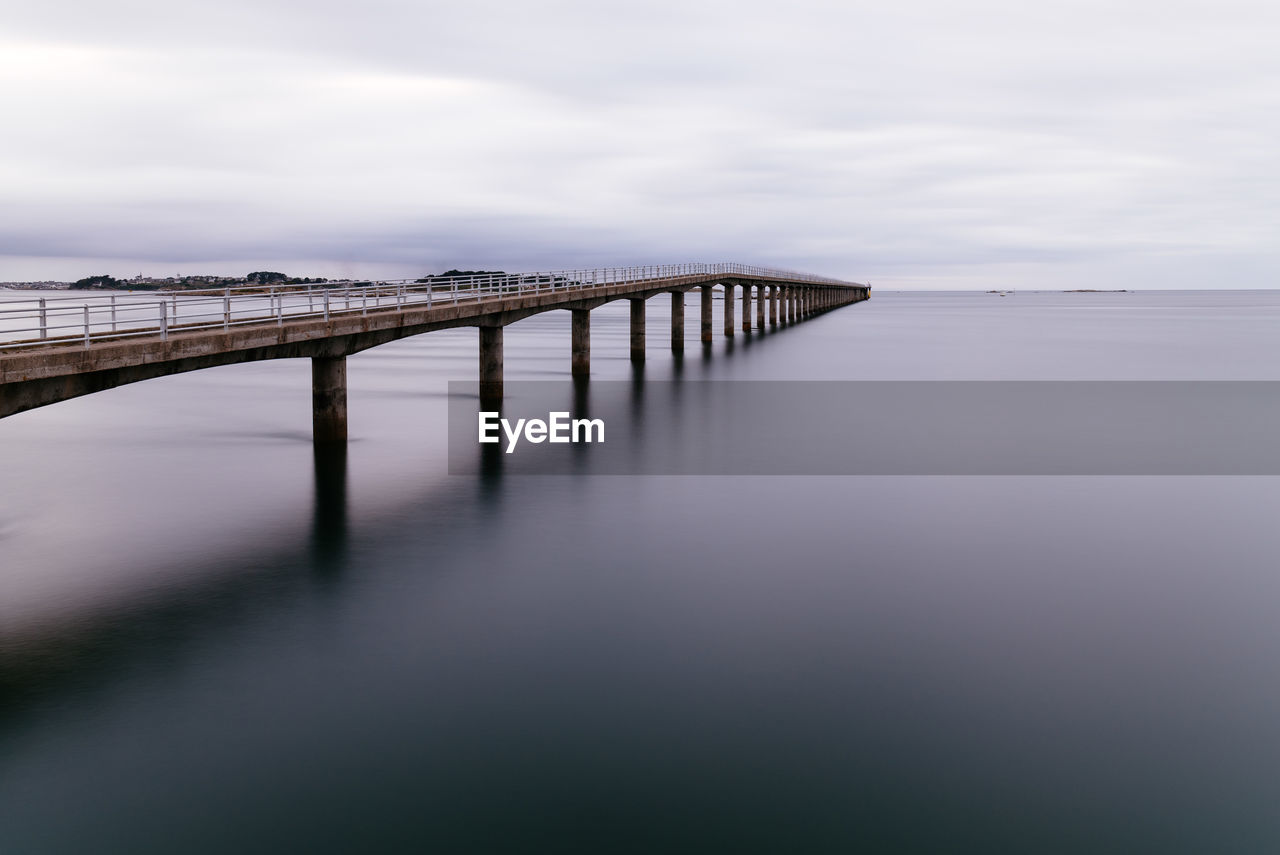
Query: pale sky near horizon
[[917, 144]]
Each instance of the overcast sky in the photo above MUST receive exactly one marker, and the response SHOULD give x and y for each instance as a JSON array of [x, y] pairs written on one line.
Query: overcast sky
[[912, 144]]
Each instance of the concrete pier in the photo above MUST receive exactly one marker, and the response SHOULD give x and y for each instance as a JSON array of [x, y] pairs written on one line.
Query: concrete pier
[[637, 329], [328, 399], [580, 360], [326, 325], [490, 364], [677, 321], [746, 307], [708, 322], [760, 301]]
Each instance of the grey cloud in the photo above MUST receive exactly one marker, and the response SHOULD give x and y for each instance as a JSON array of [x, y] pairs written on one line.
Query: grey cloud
[[927, 144]]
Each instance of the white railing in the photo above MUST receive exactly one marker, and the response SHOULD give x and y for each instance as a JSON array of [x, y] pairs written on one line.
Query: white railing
[[85, 317]]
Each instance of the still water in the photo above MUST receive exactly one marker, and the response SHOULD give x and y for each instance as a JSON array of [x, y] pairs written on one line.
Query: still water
[[211, 641]]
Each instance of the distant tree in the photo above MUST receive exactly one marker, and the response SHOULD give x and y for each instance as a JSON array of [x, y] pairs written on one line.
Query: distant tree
[[265, 277], [104, 282], [449, 274]]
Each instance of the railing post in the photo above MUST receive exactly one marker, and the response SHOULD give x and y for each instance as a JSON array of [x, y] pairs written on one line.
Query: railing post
[[226, 310], [113, 312], [86, 327], [164, 322], [44, 319], [326, 305]]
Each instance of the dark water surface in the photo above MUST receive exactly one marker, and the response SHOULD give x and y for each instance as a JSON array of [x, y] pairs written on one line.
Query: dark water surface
[[212, 641]]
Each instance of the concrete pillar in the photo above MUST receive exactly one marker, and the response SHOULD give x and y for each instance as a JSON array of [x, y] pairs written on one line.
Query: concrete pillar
[[581, 347], [677, 321], [490, 364], [760, 300], [792, 305], [728, 309], [706, 313], [637, 329], [746, 307], [328, 399], [771, 292]]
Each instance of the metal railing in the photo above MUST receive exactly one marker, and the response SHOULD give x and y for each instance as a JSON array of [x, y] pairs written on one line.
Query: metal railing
[[87, 318]]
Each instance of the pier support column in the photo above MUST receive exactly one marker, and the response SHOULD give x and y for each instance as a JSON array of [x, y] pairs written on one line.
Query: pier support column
[[792, 315], [677, 322], [580, 358], [746, 307], [328, 399], [771, 293], [490, 364], [728, 309], [707, 321], [637, 329], [760, 301]]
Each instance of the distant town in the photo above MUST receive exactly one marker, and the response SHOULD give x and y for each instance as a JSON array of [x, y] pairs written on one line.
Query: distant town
[[181, 283], [170, 283]]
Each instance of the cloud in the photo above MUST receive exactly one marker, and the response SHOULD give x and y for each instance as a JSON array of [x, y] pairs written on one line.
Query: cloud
[[927, 144]]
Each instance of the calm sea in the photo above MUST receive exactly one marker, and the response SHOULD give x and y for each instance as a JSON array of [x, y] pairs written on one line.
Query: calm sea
[[212, 641]]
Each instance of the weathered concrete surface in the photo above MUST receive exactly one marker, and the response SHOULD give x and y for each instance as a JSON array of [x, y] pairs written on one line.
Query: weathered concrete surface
[[677, 321], [580, 335], [36, 376], [637, 329], [329, 398], [491, 363], [707, 321]]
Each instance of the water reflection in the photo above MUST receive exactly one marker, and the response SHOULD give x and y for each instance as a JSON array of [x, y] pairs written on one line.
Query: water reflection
[[329, 530]]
